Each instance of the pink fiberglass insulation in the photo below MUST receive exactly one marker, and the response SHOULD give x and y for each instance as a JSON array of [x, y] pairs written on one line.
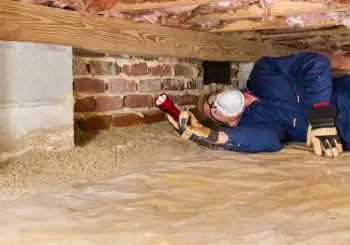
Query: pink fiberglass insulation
[[341, 18], [160, 16], [154, 16], [322, 1], [221, 7], [78, 5]]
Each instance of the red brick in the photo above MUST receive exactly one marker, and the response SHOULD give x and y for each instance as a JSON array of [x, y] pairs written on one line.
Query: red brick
[[161, 70], [125, 119], [95, 123], [76, 125], [185, 71], [86, 53], [151, 85], [135, 70], [169, 60], [234, 72], [170, 84], [155, 117], [191, 85], [199, 83], [201, 71], [136, 101], [113, 55], [235, 83], [193, 61], [103, 68], [121, 85], [85, 104], [109, 103], [187, 99], [147, 58], [79, 67], [89, 85]]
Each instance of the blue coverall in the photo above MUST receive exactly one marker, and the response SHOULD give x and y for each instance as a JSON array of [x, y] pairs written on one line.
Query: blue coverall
[[286, 87]]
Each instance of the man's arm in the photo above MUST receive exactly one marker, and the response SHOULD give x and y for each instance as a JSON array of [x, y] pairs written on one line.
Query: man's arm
[[310, 73], [314, 72], [254, 138]]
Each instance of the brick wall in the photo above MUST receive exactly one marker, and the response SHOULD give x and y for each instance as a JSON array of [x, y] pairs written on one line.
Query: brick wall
[[114, 90]]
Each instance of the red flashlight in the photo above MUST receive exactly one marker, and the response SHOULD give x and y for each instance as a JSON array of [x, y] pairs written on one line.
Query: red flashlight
[[165, 104]]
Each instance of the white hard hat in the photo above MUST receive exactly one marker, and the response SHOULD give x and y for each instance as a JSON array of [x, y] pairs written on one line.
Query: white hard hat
[[230, 102]]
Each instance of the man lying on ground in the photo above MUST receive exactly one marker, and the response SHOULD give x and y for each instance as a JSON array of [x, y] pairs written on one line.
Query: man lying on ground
[[286, 99]]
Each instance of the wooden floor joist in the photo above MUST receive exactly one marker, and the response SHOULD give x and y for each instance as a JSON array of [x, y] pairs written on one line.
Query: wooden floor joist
[[123, 7], [279, 23], [246, 12], [35, 23], [292, 33], [280, 8]]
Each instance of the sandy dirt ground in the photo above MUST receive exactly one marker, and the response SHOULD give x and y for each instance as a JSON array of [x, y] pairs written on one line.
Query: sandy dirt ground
[[114, 150], [146, 186], [202, 198]]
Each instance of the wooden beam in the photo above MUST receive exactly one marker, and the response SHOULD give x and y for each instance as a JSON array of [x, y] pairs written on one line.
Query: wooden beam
[[280, 8], [35, 23], [246, 12], [328, 39], [279, 23], [292, 33], [124, 7], [286, 7]]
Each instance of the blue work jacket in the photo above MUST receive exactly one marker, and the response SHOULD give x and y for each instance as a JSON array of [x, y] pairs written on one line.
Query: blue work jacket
[[286, 87]]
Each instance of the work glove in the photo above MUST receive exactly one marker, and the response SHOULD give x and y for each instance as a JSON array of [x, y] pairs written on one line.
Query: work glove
[[190, 129], [322, 133]]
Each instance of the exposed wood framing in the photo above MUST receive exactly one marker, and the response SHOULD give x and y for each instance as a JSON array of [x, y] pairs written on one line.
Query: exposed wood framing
[[246, 12], [292, 33], [36, 23], [279, 23], [280, 8], [289, 8], [122, 7]]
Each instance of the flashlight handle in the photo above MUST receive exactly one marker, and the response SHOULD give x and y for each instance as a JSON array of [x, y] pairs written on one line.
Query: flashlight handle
[[165, 104]]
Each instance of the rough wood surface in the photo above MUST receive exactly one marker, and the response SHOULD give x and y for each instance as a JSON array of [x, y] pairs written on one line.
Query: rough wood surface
[[250, 11], [154, 5], [292, 7], [280, 8], [279, 23], [35, 23], [291, 33]]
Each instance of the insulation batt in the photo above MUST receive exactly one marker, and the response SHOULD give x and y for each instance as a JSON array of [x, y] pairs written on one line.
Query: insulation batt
[[156, 15], [176, 16], [221, 7], [86, 6], [320, 1], [303, 20]]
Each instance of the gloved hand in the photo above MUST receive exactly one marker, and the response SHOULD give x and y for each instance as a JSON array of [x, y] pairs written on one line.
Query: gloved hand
[[190, 129], [322, 133]]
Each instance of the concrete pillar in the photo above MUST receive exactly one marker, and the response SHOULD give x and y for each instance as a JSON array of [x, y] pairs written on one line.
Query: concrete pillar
[[244, 70], [36, 100]]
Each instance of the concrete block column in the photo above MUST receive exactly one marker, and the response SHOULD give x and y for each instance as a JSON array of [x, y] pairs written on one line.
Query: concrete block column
[[36, 100], [244, 70]]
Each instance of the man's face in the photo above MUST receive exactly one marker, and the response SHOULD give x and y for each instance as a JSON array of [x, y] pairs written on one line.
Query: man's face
[[213, 112]]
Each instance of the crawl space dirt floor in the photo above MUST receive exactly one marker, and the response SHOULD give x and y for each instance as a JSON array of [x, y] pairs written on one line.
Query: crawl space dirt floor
[[145, 186]]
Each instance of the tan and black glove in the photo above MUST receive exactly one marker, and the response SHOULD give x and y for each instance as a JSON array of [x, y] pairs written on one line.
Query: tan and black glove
[[190, 129], [322, 133]]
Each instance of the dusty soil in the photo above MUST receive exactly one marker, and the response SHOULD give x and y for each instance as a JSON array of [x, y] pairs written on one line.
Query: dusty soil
[[96, 154]]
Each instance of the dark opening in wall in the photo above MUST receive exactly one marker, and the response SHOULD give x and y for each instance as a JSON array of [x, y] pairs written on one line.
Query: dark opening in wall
[[217, 72]]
